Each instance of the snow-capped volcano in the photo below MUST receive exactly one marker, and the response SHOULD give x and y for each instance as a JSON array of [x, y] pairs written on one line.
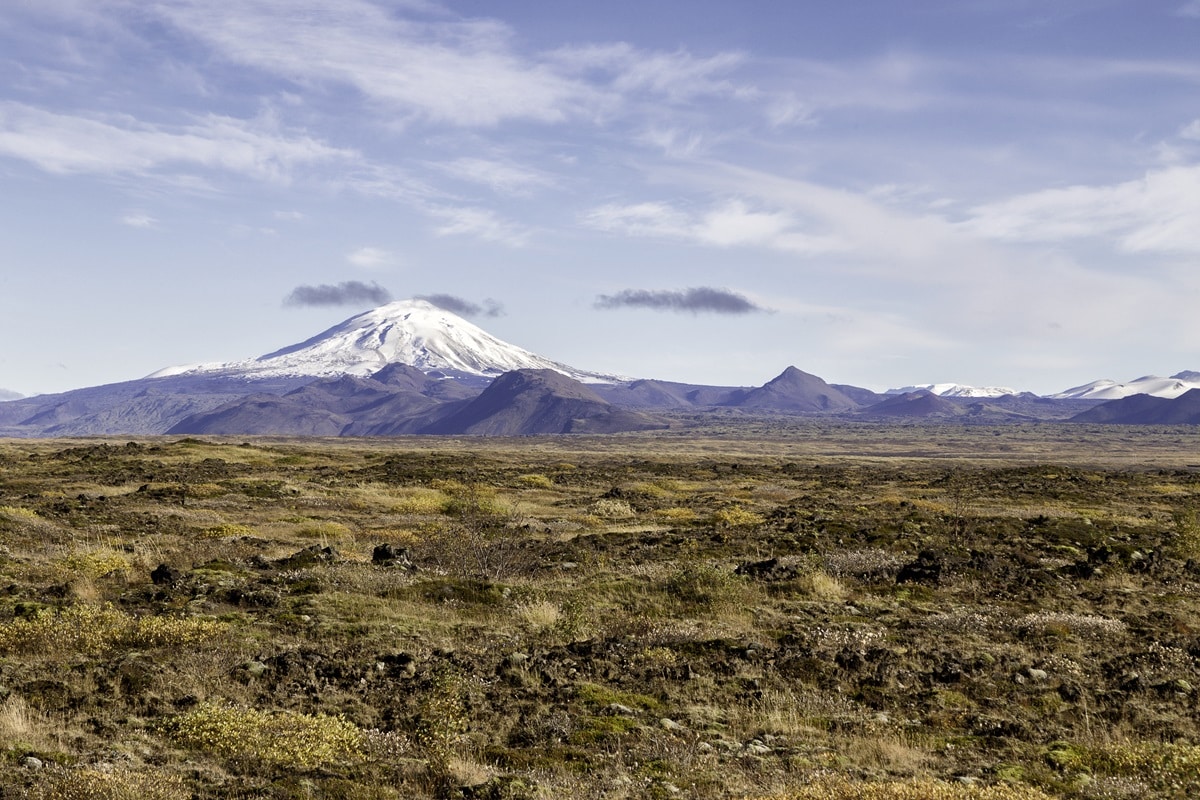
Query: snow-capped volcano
[[413, 332], [1106, 389], [956, 390]]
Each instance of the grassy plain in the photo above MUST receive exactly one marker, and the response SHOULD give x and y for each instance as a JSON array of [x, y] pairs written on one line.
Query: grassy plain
[[775, 609]]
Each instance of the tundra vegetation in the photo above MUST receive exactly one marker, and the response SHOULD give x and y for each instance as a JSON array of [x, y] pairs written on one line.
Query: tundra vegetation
[[766, 609]]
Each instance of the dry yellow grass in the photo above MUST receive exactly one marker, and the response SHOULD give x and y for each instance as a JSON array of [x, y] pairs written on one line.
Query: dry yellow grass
[[838, 788]]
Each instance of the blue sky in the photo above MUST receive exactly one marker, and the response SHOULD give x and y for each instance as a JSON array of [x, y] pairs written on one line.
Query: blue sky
[[881, 193]]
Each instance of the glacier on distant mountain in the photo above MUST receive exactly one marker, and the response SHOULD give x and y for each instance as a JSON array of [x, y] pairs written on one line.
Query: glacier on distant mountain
[[1106, 389], [413, 332], [956, 390]]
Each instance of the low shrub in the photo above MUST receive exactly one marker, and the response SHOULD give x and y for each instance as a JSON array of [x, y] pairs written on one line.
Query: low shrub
[[93, 783], [279, 738], [96, 629]]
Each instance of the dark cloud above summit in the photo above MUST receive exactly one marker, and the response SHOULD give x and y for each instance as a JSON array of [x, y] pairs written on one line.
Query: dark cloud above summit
[[464, 307], [346, 293], [700, 299]]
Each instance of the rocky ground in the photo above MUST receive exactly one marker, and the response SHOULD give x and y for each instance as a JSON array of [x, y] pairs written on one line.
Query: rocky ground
[[784, 614]]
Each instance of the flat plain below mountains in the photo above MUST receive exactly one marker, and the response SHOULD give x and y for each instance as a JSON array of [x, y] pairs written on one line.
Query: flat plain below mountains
[[766, 608]]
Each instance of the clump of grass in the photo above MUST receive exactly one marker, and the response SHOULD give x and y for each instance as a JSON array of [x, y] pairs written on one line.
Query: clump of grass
[[324, 530], [96, 629], [16, 513], [227, 530], [19, 724], [280, 738], [539, 615], [419, 500], [93, 783], [535, 480], [823, 586], [676, 514], [840, 788]]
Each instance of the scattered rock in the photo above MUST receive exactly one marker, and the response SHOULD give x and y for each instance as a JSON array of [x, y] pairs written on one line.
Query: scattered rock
[[164, 575], [619, 710], [770, 570], [388, 555], [670, 725], [32, 762], [927, 569], [254, 668]]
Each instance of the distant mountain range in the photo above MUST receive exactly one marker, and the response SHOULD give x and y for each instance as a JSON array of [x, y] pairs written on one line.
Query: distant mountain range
[[410, 367]]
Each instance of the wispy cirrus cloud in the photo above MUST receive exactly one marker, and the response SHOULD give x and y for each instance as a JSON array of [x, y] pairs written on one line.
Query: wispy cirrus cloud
[[455, 71], [345, 293], [500, 176], [1156, 213], [464, 307], [479, 223], [701, 299], [67, 144], [733, 223]]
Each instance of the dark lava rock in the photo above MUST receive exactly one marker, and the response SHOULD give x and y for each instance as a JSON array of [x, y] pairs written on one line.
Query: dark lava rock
[[388, 555], [769, 570], [926, 569], [164, 575]]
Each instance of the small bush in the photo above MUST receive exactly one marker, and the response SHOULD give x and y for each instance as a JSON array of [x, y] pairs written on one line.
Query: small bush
[[91, 783], [610, 508], [535, 481], [92, 563], [705, 585], [92, 630], [280, 738]]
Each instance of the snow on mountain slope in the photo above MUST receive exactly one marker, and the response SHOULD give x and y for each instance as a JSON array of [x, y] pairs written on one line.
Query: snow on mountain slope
[[1153, 385], [413, 332], [956, 390]]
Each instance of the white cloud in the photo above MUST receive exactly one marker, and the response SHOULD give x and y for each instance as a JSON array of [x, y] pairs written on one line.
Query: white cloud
[[676, 142], [370, 258], [289, 216], [68, 144], [1153, 214], [1189, 9], [460, 72], [137, 219], [787, 110], [1191, 130], [730, 224], [501, 177], [677, 76], [479, 223]]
